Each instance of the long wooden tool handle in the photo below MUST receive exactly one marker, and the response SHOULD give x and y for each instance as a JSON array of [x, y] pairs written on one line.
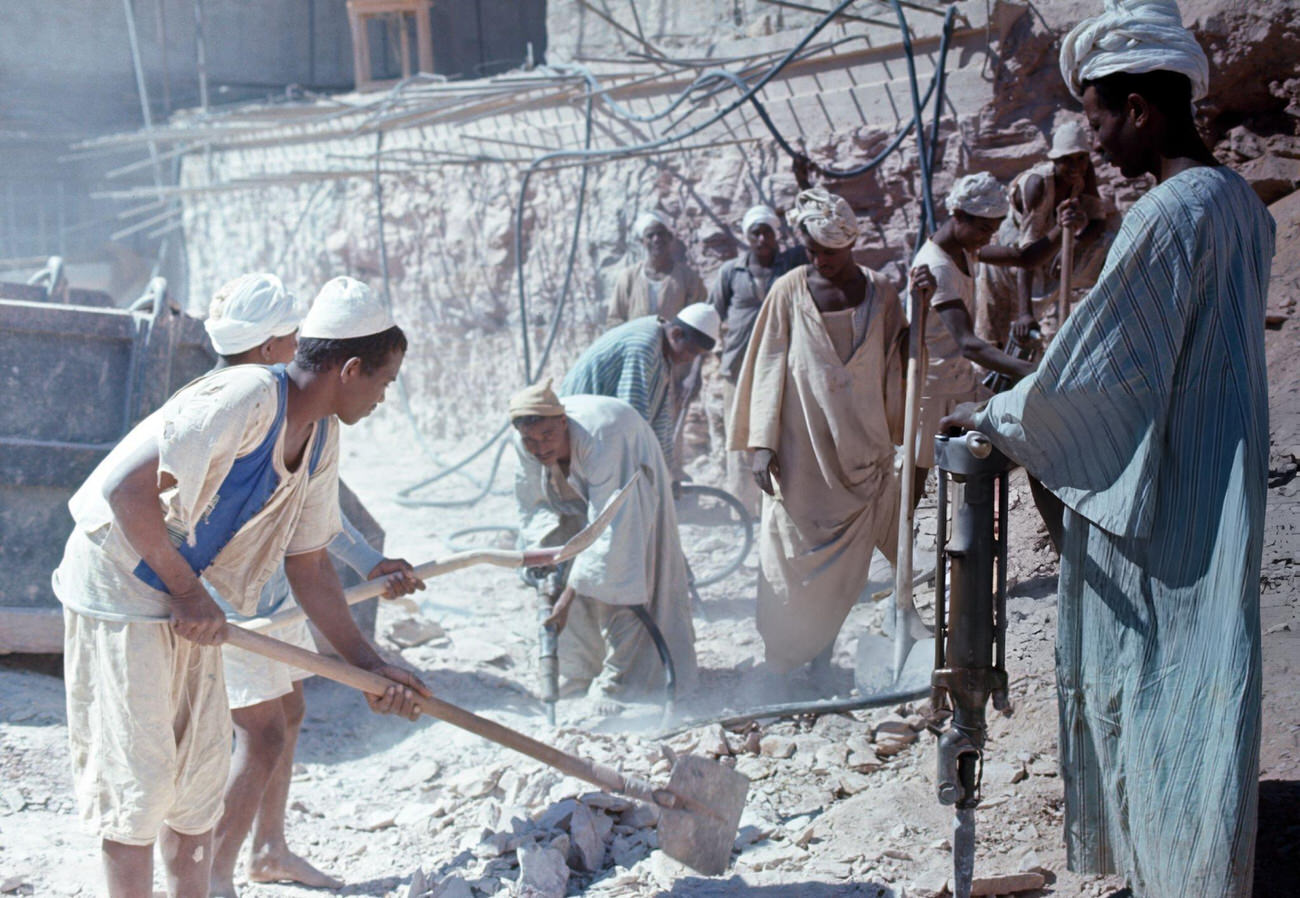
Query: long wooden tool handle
[[916, 373], [374, 684], [1067, 275]]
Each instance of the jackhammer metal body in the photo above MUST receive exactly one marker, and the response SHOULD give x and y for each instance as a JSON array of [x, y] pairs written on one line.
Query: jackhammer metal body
[[970, 625]]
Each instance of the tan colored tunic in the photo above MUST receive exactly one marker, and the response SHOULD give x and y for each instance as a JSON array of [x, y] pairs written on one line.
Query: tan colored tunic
[[637, 294], [833, 426]]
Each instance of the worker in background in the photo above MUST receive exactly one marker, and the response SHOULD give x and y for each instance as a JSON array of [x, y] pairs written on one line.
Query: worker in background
[[636, 361], [1017, 300], [254, 320], [662, 284], [1148, 417], [819, 403], [574, 457], [976, 205], [234, 475], [737, 295]]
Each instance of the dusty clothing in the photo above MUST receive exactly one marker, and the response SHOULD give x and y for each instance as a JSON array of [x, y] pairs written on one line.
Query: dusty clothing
[[207, 436], [737, 295], [628, 363], [638, 560], [141, 701], [1160, 374], [996, 286], [950, 377], [638, 293], [148, 728], [833, 426], [251, 678]]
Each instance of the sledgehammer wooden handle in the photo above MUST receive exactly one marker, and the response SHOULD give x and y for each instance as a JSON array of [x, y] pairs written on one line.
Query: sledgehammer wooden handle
[[372, 683]]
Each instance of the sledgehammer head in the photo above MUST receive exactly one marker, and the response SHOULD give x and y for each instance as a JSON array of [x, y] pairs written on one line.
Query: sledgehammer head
[[700, 813]]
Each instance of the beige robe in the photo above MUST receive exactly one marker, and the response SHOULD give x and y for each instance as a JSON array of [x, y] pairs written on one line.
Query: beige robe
[[833, 426], [637, 295]]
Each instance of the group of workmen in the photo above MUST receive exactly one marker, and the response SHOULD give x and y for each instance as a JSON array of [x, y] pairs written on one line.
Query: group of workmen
[[1145, 422]]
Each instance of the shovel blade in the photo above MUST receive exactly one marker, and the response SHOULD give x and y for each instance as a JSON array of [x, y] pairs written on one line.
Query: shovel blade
[[702, 833], [584, 539], [876, 673]]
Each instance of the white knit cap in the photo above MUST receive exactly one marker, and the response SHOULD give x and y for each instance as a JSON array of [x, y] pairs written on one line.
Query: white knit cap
[[1133, 36], [646, 220], [250, 310], [345, 308], [980, 195], [828, 218], [702, 317], [1068, 140], [760, 214]]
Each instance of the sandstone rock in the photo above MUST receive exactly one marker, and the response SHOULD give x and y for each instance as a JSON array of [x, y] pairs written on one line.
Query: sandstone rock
[[587, 845], [1272, 177], [863, 761], [896, 727], [1010, 884], [932, 883], [415, 816], [542, 873], [475, 783], [891, 745], [639, 816], [376, 820], [777, 746], [412, 631], [754, 768], [558, 814], [452, 887], [831, 756], [418, 774], [851, 783]]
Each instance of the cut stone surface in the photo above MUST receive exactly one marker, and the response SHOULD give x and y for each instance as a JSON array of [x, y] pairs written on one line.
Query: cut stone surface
[[542, 873]]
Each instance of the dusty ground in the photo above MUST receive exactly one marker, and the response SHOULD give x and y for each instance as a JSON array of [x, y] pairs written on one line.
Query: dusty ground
[[835, 809]]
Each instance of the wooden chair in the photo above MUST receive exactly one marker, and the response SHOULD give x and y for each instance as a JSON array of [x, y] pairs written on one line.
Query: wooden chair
[[360, 12]]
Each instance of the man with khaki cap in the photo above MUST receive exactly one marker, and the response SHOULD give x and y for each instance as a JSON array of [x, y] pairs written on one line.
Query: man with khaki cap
[[235, 474], [575, 455]]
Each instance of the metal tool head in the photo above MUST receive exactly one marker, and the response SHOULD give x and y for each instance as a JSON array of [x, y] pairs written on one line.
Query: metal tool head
[[700, 830], [589, 534], [877, 674]]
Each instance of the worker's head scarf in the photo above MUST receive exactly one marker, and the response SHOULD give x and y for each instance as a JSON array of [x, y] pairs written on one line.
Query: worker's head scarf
[[536, 400], [1133, 36], [647, 220], [828, 218], [979, 194], [250, 310], [760, 214], [346, 308]]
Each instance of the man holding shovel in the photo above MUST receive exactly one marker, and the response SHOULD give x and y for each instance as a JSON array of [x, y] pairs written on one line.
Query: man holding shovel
[[253, 320], [235, 474]]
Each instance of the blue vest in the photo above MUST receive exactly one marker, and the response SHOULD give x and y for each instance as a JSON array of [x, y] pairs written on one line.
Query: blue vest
[[251, 482]]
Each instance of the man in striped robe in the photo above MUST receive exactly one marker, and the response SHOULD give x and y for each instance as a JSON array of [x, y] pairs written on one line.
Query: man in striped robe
[[1148, 417]]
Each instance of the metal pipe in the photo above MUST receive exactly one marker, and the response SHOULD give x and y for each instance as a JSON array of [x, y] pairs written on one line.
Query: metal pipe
[[201, 55]]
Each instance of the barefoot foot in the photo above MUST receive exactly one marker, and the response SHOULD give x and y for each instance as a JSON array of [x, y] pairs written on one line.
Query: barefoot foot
[[285, 866]]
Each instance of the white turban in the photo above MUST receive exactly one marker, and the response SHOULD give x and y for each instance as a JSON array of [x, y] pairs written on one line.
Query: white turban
[[248, 311], [979, 194], [760, 214], [1133, 36], [828, 218], [346, 308], [646, 220]]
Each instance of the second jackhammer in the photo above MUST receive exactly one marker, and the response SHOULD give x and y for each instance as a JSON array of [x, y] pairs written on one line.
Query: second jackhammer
[[970, 625]]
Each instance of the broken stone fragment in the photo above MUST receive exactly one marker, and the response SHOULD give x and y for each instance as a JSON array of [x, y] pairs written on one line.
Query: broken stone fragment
[[452, 887], [1007, 885], [851, 783], [542, 873], [777, 746], [889, 746], [894, 726], [410, 632], [587, 844]]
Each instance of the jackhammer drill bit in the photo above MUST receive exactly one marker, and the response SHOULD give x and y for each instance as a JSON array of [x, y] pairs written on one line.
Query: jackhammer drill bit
[[548, 654]]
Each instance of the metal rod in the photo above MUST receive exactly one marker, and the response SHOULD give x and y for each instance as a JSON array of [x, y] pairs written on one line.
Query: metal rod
[[201, 55], [844, 15]]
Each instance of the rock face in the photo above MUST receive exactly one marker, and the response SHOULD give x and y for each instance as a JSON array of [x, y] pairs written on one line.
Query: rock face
[[451, 181]]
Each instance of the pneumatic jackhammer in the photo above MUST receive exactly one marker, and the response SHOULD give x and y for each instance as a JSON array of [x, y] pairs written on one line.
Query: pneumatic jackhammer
[[970, 625]]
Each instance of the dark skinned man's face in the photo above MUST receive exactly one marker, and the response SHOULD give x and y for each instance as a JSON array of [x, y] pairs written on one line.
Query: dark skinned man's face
[[547, 440]]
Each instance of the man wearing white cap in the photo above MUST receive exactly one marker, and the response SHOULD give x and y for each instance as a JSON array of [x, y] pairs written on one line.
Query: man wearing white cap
[[819, 403], [737, 294], [235, 474], [1148, 418], [661, 285], [575, 454], [254, 320], [635, 362], [1014, 301]]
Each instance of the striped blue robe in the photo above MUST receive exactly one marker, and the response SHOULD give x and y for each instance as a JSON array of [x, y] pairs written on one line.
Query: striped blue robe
[[1149, 418], [628, 363]]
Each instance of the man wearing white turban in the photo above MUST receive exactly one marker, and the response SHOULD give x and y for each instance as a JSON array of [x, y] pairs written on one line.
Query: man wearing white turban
[[819, 404], [235, 474], [1148, 418], [660, 285], [737, 294], [266, 697]]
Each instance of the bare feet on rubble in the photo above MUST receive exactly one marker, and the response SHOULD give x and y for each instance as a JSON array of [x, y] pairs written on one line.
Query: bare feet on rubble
[[285, 866]]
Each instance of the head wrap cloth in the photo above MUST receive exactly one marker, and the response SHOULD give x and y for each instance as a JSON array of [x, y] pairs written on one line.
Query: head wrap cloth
[[828, 218], [250, 310], [538, 399], [1133, 36], [979, 194], [346, 308], [647, 220], [760, 214]]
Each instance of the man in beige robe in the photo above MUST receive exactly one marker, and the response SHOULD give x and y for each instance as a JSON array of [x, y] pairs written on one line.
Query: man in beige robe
[[661, 285], [821, 394]]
